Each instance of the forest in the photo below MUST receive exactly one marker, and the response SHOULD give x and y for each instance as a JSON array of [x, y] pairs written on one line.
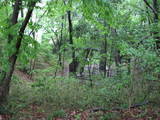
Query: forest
[[79, 59]]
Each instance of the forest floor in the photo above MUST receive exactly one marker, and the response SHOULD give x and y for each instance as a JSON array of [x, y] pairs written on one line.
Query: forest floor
[[32, 113], [37, 112]]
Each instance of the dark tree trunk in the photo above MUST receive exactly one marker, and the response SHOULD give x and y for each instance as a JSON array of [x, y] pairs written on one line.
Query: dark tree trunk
[[74, 64], [103, 60], [86, 55], [117, 58], [61, 43], [129, 65], [155, 7], [5, 81], [118, 62]]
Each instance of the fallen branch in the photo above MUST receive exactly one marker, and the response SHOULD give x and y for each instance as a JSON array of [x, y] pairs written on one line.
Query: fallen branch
[[120, 108]]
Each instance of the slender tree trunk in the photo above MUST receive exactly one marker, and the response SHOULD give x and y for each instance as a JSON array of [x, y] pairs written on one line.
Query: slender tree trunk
[[32, 67], [129, 66], [117, 56], [63, 51], [74, 64], [103, 60], [90, 76], [86, 55], [61, 43], [118, 62]]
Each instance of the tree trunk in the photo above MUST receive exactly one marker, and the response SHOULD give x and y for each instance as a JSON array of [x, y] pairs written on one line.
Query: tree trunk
[[74, 64], [86, 54], [118, 62], [103, 60], [61, 43]]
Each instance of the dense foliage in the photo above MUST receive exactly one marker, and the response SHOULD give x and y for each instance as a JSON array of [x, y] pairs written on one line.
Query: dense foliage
[[64, 55]]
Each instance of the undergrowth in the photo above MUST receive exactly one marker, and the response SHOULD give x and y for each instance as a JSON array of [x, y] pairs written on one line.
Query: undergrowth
[[53, 95]]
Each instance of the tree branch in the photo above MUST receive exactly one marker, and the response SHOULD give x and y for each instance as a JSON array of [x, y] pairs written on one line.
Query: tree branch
[[119, 108], [38, 21], [154, 11]]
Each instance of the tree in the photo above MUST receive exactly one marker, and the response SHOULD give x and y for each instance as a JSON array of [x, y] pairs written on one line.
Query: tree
[[74, 64], [7, 74]]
